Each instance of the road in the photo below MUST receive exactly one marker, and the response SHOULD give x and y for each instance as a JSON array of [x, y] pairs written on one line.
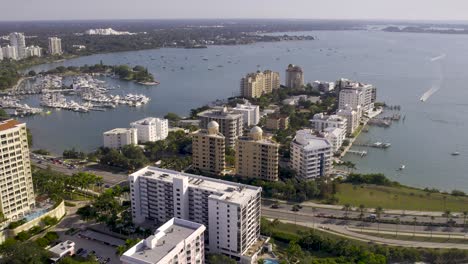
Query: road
[[337, 211], [346, 227], [109, 178]]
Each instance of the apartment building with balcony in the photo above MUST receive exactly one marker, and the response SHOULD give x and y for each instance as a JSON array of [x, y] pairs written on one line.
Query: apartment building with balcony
[[209, 150], [256, 84], [151, 129], [257, 156], [230, 211], [119, 137], [16, 186], [231, 124], [311, 156], [176, 241]]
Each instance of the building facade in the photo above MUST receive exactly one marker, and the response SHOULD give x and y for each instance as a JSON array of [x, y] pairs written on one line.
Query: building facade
[[151, 129], [352, 118], [10, 52], [294, 77], [230, 211], [355, 95], [336, 136], [276, 122], [250, 112], [55, 46], [321, 121], [119, 137], [257, 157], [231, 124], [33, 51], [254, 85], [16, 186], [209, 150], [17, 41], [311, 156], [176, 241]]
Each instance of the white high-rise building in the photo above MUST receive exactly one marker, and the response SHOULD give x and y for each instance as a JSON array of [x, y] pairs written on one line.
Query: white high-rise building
[[321, 121], [311, 156], [33, 51], [355, 94], [17, 40], [55, 46], [251, 113], [1, 54], [176, 241], [10, 52], [335, 136], [230, 211], [16, 186], [351, 116], [119, 137], [151, 129]]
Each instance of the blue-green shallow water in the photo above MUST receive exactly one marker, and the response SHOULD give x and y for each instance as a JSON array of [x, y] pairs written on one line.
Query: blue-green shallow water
[[398, 64]]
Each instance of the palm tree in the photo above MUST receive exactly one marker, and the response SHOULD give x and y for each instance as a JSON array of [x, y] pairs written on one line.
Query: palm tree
[[362, 209], [397, 223], [415, 219], [447, 214], [432, 224], [465, 214], [346, 208], [378, 212]]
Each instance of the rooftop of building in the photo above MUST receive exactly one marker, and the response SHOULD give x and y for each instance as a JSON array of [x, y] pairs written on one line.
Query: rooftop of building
[[148, 120], [309, 140], [228, 191], [8, 124], [118, 131], [154, 248], [206, 133], [62, 247], [334, 130], [330, 118], [294, 68], [220, 113]]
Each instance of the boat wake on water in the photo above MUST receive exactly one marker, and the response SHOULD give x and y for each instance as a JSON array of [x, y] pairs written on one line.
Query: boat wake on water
[[438, 57], [428, 93]]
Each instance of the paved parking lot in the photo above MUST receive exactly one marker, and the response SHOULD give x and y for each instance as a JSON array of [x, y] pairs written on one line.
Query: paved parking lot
[[102, 250]]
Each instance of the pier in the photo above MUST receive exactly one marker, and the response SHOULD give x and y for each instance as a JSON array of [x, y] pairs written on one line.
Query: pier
[[361, 153]]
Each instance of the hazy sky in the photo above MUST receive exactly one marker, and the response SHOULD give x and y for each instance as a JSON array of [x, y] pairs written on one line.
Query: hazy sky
[[308, 9]]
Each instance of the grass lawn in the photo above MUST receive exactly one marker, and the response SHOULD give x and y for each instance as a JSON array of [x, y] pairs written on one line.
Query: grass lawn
[[418, 239], [372, 196]]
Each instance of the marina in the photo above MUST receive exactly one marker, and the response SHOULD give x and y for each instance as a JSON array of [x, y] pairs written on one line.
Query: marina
[[85, 93]]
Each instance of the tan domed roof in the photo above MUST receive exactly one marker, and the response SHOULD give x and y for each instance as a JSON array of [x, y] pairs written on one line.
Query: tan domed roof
[[256, 130], [213, 124]]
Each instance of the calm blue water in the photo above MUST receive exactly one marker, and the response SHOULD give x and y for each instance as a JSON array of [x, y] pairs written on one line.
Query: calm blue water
[[271, 261], [398, 64]]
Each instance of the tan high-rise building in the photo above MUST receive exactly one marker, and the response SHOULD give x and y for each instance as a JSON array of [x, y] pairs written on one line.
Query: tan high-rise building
[[55, 46], [294, 77], [16, 186], [231, 123], [209, 151], [256, 156], [254, 85]]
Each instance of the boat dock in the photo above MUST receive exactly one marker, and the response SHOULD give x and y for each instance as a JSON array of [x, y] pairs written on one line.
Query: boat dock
[[361, 153]]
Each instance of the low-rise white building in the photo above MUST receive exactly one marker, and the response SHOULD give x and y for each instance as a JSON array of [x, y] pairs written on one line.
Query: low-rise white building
[[230, 211], [321, 121], [251, 113], [62, 250], [352, 118], [323, 86], [335, 136], [151, 129], [176, 241], [119, 137], [311, 156]]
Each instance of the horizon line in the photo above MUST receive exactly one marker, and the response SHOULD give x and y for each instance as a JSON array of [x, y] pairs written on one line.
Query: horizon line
[[240, 19]]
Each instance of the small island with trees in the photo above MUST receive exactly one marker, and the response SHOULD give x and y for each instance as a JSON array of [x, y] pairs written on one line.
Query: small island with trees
[[137, 74]]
